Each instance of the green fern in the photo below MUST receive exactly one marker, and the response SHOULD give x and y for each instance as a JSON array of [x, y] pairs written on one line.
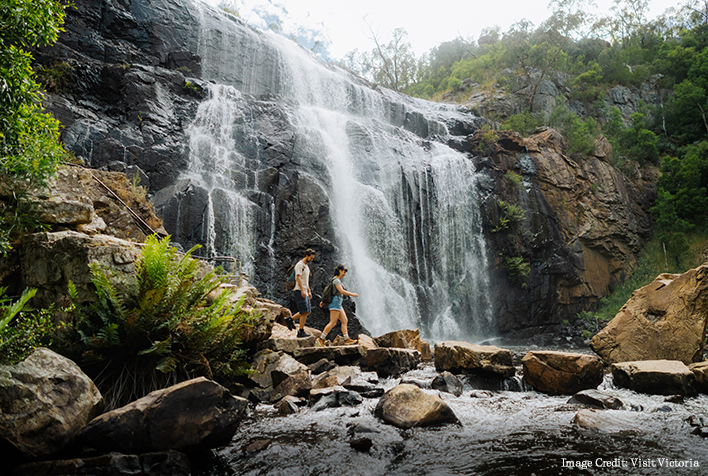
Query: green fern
[[161, 329]]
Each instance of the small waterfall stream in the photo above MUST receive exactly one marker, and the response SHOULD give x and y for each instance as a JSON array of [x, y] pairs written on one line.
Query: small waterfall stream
[[404, 208]]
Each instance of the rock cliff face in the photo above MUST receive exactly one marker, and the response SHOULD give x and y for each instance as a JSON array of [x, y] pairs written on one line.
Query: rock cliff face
[[584, 225], [254, 149]]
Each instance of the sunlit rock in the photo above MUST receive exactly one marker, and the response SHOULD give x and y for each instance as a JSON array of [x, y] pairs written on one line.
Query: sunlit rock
[[405, 339], [660, 377], [460, 357], [407, 406], [665, 319], [561, 373]]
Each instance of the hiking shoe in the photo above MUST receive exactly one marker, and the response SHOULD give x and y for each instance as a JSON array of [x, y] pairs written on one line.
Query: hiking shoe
[[349, 342], [290, 323], [301, 334], [322, 342]]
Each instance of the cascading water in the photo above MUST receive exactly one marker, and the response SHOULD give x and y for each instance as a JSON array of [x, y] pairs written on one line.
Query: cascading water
[[404, 209]]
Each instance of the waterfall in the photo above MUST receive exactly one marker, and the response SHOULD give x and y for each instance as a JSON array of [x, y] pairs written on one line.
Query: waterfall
[[404, 208]]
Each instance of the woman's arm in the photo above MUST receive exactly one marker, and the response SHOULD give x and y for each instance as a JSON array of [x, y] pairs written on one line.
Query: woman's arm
[[343, 291]]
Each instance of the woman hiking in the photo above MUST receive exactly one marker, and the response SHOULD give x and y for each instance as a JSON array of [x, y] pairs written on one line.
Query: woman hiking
[[335, 307]]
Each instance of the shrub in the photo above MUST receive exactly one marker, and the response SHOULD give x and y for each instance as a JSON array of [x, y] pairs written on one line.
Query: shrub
[[56, 79], [518, 270], [160, 330], [524, 123], [512, 178], [510, 214], [22, 330]]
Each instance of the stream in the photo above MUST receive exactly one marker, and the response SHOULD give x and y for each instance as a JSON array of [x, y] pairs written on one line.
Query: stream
[[502, 432]]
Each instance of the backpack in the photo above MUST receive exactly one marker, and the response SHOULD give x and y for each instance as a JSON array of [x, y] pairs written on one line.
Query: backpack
[[290, 281], [329, 292]]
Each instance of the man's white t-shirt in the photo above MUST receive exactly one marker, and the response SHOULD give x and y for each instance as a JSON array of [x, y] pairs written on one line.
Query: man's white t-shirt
[[302, 270]]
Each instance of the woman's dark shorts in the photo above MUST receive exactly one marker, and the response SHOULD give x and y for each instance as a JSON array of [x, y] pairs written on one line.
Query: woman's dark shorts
[[302, 303]]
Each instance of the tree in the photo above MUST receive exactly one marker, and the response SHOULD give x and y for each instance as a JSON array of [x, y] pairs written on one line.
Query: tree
[[29, 138], [392, 65]]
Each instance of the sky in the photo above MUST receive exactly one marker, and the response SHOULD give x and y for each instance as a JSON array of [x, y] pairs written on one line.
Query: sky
[[344, 25]]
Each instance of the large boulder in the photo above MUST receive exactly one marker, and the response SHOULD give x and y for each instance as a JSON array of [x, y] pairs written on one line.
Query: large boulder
[[659, 377], [472, 358], [665, 319], [44, 402], [407, 406], [195, 414], [405, 339], [561, 373]]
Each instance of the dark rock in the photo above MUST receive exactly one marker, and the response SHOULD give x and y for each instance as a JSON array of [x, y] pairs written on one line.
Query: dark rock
[[195, 414], [256, 446], [596, 399], [387, 362], [446, 382], [288, 405], [349, 355], [45, 401], [362, 445], [322, 365], [298, 384], [166, 463], [350, 399]]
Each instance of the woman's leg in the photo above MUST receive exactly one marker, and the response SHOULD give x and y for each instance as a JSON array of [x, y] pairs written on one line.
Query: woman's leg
[[333, 316], [343, 319]]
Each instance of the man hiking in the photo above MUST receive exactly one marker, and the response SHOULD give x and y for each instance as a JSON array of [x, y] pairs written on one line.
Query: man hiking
[[302, 293]]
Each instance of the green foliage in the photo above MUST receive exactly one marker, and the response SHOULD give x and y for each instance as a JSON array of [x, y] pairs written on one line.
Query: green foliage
[[524, 123], [56, 79], [581, 134], [487, 139], [510, 214], [161, 329], [192, 89], [22, 330], [29, 138], [512, 178], [682, 201], [518, 270]]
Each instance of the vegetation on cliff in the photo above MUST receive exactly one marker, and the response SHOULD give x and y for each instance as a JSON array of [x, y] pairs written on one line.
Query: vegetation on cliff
[[29, 138]]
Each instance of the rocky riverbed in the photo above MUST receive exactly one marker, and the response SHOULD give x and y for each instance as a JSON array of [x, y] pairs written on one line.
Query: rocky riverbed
[[502, 431]]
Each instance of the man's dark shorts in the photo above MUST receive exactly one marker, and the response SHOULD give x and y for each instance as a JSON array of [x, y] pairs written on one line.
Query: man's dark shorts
[[302, 303]]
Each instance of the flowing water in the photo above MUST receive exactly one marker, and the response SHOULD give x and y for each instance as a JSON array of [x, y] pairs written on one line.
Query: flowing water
[[501, 432], [404, 208]]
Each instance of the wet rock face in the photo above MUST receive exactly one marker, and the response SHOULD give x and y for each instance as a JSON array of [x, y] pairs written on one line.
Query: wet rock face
[[585, 223], [665, 319]]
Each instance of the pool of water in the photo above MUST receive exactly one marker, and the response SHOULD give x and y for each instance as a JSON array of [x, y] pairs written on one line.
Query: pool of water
[[501, 432]]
